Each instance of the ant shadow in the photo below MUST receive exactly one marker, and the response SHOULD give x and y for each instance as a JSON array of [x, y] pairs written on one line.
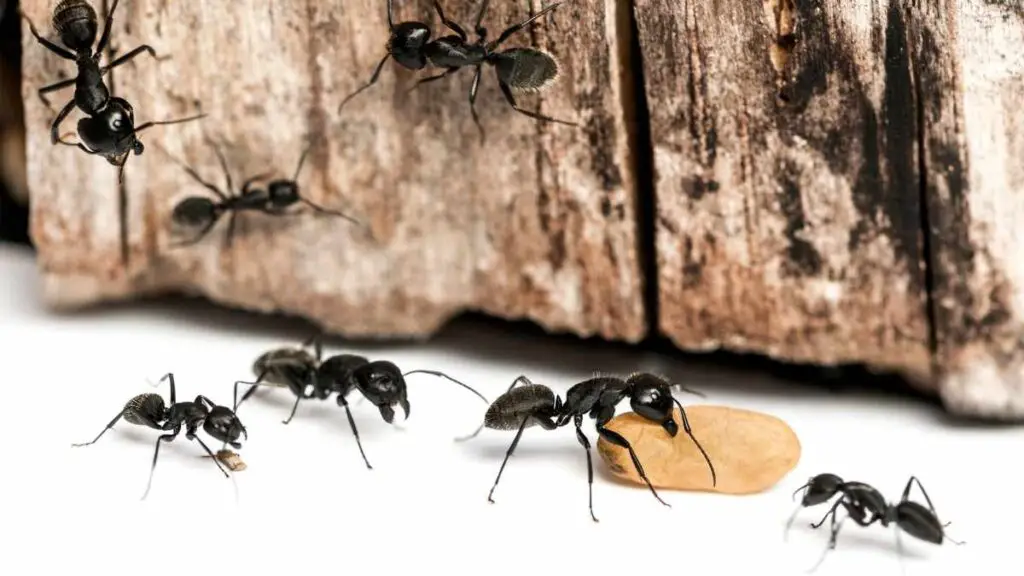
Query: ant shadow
[[854, 537]]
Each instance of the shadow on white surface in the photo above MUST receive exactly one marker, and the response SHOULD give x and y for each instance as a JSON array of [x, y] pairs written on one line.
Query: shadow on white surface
[[307, 504]]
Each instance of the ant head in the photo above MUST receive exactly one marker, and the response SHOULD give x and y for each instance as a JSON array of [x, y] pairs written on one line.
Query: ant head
[[283, 193], [651, 398], [112, 131], [820, 489], [222, 424], [76, 23], [382, 383], [407, 42], [194, 212]]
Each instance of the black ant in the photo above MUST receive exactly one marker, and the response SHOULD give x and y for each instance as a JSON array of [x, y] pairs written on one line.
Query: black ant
[[109, 129], [308, 376], [202, 213], [524, 69], [151, 411], [532, 404], [865, 505]]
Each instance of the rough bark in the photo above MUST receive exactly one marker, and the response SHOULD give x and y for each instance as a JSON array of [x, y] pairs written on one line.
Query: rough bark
[[792, 229], [538, 223]]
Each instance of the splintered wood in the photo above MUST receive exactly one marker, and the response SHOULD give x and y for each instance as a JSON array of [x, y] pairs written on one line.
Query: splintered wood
[[751, 451]]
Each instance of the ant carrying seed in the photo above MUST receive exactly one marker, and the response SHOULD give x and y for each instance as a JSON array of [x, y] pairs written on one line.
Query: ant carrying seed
[[517, 69], [151, 411], [532, 404], [865, 505], [108, 130], [199, 214], [308, 376]]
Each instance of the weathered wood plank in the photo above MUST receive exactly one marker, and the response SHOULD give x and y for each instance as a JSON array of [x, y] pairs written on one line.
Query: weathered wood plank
[[793, 229], [970, 60], [539, 223]]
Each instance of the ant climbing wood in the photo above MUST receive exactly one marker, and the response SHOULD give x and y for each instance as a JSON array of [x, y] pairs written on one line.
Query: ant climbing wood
[[199, 214], [532, 404], [310, 376], [517, 69], [151, 411]]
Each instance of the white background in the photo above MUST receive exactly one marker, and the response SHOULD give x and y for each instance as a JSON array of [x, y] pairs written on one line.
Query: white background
[[308, 505]]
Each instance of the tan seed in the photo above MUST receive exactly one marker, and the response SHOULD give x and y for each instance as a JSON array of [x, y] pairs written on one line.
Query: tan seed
[[751, 451]]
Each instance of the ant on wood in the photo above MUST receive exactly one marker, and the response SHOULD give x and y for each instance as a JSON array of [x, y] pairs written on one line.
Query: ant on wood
[[309, 376], [522, 69], [151, 411], [199, 214], [865, 505], [532, 404], [108, 130]]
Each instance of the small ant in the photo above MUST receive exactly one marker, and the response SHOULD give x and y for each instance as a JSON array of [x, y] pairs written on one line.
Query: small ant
[[308, 376], [151, 411], [202, 213], [109, 129], [865, 505], [532, 404], [523, 69]]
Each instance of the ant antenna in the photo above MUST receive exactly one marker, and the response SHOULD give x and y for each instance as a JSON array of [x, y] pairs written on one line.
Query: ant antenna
[[689, 432], [797, 491], [466, 386], [148, 125]]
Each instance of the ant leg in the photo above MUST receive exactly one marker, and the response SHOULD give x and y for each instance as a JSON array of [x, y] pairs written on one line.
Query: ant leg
[[148, 125], [618, 440], [355, 431], [831, 542], [131, 56], [906, 493], [53, 88], [105, 37], [517, 27], [109, 426], [294, 408], [212, 455], [582, 439], [229, 185], [433, 78], [831, 512], [689, 432], [62, 52], [61, 117], [480, 17], [231, 230], [472, 100], [323, 210], [373, 80], [156, 453], [512, 102], [511, 449], [195, 176], [449, 24]]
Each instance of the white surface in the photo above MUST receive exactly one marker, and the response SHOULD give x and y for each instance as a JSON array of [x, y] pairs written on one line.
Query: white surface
[[308, 505]]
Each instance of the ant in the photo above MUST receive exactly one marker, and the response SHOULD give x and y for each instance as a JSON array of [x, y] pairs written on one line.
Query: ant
[[309, 376], [151, 411], [202, 213], [109, 129], [532, 404], [865, 505], [523, 69]]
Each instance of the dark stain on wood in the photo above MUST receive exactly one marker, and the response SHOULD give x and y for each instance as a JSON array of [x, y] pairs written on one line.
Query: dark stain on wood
[[701, 122], [693, 267]]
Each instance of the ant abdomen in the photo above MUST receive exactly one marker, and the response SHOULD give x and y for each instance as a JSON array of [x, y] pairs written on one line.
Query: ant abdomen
[[508, 411], [194, 212], [76, 23], [919, 522], [525, 69], [144, 409]]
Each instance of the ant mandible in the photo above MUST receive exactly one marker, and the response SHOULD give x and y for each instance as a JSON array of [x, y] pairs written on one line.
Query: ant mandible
[[150, 410], [532, 404], [865, 505], [523, 69], [201, 214], [309, 376]]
